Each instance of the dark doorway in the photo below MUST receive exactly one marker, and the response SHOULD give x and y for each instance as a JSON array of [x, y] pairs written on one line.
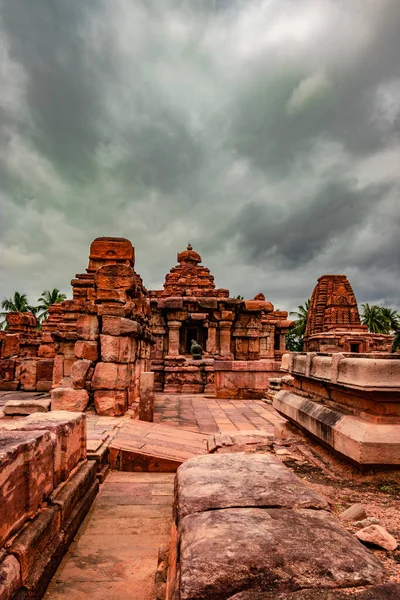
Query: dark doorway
[[355, 348], [189, 332]]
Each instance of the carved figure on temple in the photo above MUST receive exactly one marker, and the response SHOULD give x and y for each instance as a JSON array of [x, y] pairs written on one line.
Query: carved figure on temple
[[196, 350]]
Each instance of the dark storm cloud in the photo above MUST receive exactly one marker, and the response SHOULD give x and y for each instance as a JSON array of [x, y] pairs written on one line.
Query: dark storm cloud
[[296, 235], [266, 135]]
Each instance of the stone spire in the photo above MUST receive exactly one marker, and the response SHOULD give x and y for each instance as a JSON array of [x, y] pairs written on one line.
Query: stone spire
[[333, 306]]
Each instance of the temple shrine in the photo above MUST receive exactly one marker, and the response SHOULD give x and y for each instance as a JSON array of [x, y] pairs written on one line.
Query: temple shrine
[[333, 323]]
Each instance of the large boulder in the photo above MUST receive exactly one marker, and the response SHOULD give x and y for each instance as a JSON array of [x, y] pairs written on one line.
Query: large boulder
[[245, 524]]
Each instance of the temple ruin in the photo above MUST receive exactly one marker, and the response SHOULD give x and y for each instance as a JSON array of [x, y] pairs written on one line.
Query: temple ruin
[[123, 387]]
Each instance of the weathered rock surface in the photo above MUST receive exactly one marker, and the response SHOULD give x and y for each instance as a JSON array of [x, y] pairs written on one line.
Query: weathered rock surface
[[247, 525], [225, 551], [69, 399], [389, 591], [377, 535], [237, 480]]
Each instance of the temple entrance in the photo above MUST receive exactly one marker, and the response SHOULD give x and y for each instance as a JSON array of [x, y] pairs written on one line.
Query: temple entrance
[[192, 331]]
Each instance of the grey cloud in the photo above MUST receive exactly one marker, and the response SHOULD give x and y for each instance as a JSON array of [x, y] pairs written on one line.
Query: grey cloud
[[245, 127]]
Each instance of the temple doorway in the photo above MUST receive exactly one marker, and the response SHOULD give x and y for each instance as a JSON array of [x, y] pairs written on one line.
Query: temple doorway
[[189, 332]]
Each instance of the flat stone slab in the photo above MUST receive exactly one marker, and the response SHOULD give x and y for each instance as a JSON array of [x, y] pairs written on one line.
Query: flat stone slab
[[240, 480], [223, 552], [26, 407], [142, 446]]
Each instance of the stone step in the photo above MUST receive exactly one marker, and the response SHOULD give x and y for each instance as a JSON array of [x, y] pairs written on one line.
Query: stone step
[[26, 407], [141, 446]]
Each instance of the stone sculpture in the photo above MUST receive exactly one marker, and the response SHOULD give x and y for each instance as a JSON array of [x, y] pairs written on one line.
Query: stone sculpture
[[196, 350]]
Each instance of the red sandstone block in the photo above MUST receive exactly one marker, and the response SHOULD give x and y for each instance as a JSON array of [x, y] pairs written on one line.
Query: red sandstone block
[[58, 370], [87, 327], [26, 476], [7, 369], [10, 577], [46, 351], [87, 350], [10, 346], [45, 370], [26, 374], [110, 376], [120, 326], [69, 399], [79, 373], [114, 277], [111, 402], [117, 349], [69, 432], [314, 389]]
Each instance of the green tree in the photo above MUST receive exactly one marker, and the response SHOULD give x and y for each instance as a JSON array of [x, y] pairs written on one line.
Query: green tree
[[295, 337], [374, 318], [47, 299], [16, 303], [391, 318], [239, 297]]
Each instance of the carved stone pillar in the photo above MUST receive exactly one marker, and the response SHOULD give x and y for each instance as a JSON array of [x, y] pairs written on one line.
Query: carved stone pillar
[[225, 340], [173, 337], [211, 344]]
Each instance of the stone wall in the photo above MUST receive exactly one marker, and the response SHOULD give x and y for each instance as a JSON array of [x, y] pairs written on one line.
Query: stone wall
[[244, 379], [46, 488]]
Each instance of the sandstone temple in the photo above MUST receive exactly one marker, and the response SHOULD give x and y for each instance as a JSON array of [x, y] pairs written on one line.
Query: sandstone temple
[[165, 445]]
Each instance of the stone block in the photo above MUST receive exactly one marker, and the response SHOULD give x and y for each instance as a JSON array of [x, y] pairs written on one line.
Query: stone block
[[26, 407], [146, 402], [10, 577], [111, 376], [68, 495], [79, 372], [26, 374], [58, 370], [120, 326], [7, 369], [33, 540], [112, 403], [87, 327], [117, 349], [114, 278], [87, 350], [206, 483], [69, 399], [69, 431], [45, 370], [225, 551], [26, 476]]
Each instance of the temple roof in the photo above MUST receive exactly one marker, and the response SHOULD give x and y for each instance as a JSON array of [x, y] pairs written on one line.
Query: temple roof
[[190, 278], [333, 305]]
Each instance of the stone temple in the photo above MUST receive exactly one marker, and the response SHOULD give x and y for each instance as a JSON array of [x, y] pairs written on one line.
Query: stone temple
[[180, 420]]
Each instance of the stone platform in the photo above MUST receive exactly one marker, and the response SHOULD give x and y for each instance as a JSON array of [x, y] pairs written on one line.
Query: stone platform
[[350, 402]]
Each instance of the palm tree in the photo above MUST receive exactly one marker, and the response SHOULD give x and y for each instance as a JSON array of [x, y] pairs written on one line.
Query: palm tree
[[373, 317], [391, 319], [301, 320], [47, 299], [16, 303], [295, 337]]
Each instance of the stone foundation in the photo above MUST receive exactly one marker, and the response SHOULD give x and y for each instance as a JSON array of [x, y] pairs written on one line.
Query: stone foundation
[[349, 402], [46, 488]]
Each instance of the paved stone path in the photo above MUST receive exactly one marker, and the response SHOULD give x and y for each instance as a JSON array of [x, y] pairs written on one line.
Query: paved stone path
[[114, 555], [210, 415]]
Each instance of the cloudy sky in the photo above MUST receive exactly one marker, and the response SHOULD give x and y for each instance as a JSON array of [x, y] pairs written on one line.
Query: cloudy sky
[[265, 132]]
